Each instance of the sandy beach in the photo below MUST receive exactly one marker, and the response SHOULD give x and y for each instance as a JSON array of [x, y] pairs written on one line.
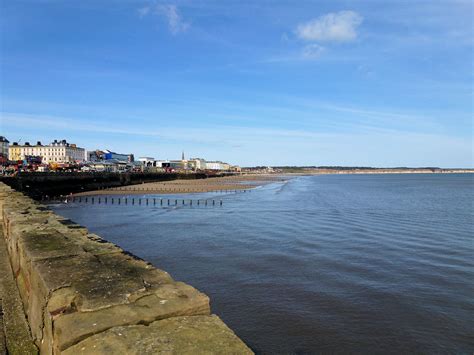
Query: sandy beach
[[228, 183]]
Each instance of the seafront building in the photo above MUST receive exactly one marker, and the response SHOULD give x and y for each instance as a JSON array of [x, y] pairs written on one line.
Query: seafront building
[[197, 163], [192, 164], [147, 161], [179, 164], [109, 166], [4, 144], [56, 152], [101, 155], [37, 157], [217, 165]]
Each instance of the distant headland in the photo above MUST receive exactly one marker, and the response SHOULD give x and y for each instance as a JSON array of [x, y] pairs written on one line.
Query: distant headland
[[310, 170]]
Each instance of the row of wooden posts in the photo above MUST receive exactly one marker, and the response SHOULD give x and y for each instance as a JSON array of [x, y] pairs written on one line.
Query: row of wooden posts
[[172, 190], [133, 201]]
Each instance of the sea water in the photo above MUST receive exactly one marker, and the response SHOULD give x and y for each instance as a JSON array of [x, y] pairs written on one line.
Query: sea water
[[319, 264]]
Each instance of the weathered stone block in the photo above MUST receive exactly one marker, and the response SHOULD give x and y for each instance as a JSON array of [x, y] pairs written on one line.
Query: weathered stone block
[[77, 296], [179, 335], [176, 300]]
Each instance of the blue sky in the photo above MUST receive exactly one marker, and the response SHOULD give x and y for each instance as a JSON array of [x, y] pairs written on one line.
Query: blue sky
[[373, 83]]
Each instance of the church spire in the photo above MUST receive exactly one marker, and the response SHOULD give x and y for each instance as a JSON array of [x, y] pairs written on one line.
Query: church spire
[[182, 156]]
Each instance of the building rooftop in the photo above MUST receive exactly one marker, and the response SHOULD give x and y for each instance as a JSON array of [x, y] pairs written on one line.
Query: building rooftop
[[55, 143]]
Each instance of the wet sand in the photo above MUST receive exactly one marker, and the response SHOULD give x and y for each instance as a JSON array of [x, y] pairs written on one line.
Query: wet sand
[[243, 182]]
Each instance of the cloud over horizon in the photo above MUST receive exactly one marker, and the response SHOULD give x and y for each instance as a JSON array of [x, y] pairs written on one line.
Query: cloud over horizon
[[387, 148]]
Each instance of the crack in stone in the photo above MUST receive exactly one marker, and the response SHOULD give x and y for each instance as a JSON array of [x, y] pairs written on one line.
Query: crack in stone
[[138, 322]]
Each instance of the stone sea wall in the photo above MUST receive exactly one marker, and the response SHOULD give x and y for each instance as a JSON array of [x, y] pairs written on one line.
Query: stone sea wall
[[82, 294], [38, 184]]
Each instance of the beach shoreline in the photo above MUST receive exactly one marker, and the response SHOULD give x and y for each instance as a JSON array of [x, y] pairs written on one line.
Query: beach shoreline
[[215, 184]]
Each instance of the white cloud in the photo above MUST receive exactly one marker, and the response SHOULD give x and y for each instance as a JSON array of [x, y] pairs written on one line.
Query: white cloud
[[312, 51], [337, 26], [171, 13], [175, 22]]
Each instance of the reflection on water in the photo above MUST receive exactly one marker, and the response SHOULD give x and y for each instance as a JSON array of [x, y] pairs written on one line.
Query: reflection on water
[[335, 263]]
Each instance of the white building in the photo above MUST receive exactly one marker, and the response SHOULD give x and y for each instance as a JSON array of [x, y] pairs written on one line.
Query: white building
[[198, 163], [217, 165], [162, 163], [147, 161], [56, 152]]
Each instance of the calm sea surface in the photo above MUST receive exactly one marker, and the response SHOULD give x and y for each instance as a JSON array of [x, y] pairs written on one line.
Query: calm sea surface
[[320, 264]]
